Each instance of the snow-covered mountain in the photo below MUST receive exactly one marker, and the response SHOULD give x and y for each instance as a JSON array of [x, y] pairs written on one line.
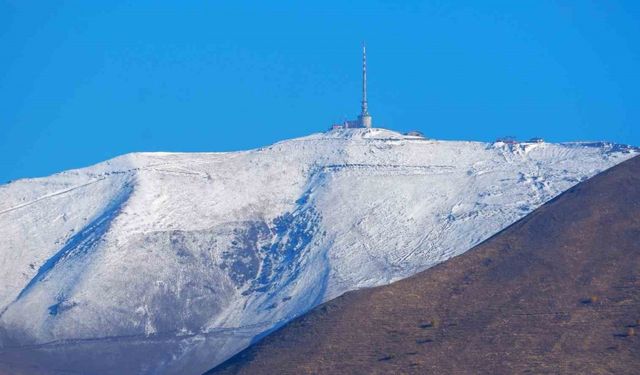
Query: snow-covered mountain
[[165, 263]]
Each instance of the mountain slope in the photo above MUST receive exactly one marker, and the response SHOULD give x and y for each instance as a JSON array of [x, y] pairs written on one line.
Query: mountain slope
[[172, 263], [557, 292]]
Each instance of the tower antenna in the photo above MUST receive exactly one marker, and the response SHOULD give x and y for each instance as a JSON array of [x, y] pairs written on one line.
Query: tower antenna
[[364, 80], [365, 118]]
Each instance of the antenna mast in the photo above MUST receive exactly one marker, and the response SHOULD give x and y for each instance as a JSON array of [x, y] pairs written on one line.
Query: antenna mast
[[364, 120], [365, 110]]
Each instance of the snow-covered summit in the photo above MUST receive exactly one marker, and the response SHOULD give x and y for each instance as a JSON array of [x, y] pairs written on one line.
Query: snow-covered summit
[[173, 262]]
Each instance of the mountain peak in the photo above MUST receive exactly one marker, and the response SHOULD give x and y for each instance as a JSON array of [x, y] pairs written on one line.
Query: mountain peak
[[173, 262]]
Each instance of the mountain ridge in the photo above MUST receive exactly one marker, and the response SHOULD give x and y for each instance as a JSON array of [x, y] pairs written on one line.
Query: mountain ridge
[[209, 251]]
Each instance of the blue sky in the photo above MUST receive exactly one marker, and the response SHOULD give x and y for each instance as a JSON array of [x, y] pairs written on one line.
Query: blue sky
[[81, 82]]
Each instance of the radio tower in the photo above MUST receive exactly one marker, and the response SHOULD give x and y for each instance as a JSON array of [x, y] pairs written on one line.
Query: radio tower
[[365, 118]]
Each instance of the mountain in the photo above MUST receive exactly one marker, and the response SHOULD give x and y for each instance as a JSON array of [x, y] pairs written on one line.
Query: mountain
[[555, 293], [170, 263]]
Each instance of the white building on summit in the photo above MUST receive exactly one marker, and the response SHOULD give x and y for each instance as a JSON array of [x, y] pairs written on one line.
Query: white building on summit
[[364, 119]]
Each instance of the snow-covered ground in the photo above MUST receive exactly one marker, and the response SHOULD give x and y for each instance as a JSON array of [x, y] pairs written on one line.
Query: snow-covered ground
[[169, 263]]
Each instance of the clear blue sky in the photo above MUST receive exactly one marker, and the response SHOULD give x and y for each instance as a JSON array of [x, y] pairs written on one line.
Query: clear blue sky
[[81, 82]]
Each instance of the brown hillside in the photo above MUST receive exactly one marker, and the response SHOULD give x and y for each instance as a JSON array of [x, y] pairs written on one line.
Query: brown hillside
[[556, 293]]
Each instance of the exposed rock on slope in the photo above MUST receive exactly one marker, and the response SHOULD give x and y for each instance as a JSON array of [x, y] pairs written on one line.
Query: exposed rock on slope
[[172, 263], [557, 292]]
